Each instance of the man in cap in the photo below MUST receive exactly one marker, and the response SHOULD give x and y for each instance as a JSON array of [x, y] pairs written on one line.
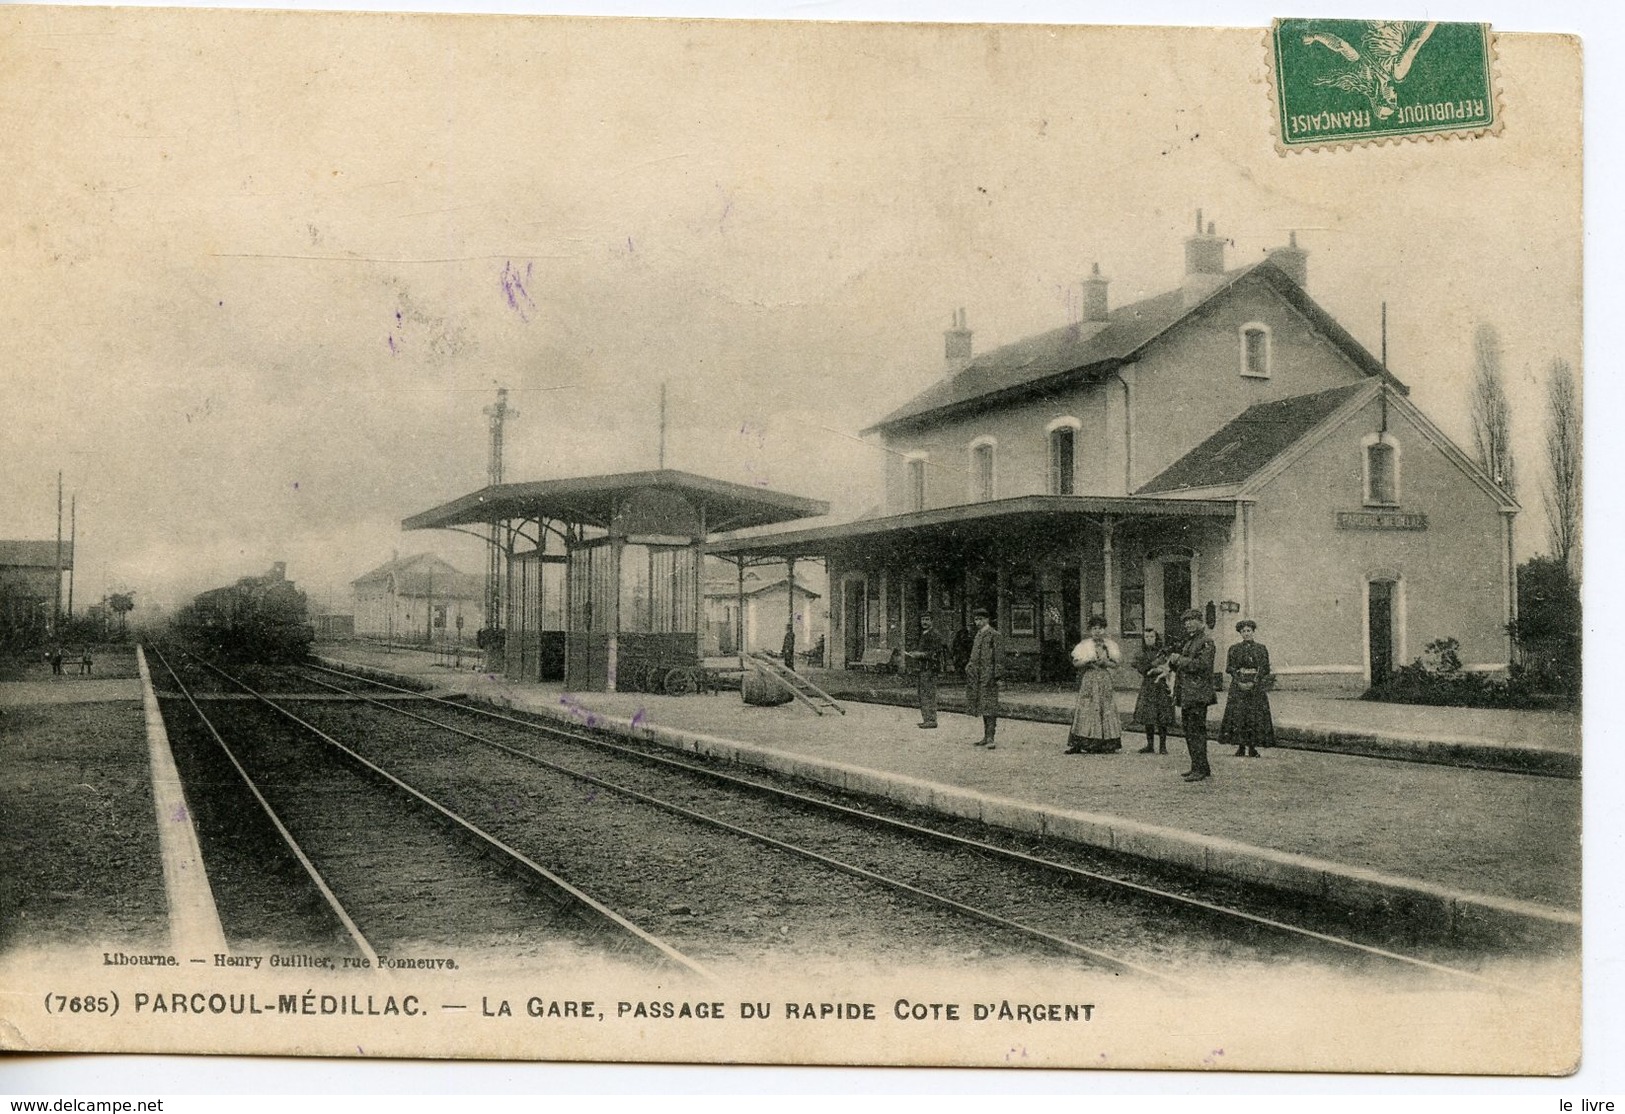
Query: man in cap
[[1193, 690], [928, 655], [982, 677]]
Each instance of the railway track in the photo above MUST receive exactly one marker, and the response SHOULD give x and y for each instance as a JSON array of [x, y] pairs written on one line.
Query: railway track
[[305, 785], [791, 821], [510, 801]]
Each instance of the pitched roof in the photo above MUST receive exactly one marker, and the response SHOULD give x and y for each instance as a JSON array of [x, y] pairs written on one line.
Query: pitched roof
[[424, 574], [1245, 445], [1092, 349], [729, 588], [32, 554], [594, 499]]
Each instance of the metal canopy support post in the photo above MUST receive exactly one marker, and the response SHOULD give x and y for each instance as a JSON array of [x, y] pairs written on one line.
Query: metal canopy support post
[[699, 589], [1108, 558], [569, 601], [790, 613], [1083, 582], [616, 545], [739, 612], [1247, 560]]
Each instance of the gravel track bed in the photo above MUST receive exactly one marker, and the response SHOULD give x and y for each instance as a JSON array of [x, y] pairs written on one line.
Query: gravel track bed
[[262, 894], [409, 879], [205, 682], [1153, 932], [711, 894]]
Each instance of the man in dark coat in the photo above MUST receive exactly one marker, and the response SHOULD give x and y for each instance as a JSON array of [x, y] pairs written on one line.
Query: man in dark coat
[[928, 659], [982, 677], [1193, 690], [789, 646]]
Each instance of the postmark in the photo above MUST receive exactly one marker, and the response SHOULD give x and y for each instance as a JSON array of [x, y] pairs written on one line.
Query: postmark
[[1341, 82]]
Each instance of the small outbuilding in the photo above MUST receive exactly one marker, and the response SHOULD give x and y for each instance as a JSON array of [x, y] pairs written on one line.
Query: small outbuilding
[[601, 575]]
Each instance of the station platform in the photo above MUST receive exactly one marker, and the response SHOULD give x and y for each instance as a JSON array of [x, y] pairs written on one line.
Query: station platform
[[78, 817], [1473, 852], [1539, 742]]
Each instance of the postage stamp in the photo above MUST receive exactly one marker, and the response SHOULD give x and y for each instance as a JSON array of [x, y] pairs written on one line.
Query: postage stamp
[[1345, 81]]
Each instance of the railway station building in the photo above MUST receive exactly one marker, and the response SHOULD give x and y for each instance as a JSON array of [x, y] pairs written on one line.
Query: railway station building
[[1226, 445]]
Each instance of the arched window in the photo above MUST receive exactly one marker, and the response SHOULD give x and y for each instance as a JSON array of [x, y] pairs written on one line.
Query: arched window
[[1255, 350], [916, 482], [982, 469], [1381, 470], [1063, 455]]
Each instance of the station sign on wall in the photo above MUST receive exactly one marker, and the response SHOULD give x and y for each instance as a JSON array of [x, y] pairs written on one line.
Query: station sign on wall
[[1381, 520]]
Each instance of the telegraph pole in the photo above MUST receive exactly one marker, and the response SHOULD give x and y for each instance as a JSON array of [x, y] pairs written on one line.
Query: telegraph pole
[[662, 425], [498, 413], [73, 539], [56, 607]]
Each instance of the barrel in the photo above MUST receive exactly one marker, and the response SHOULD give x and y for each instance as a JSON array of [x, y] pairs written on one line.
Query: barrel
[[764, 690]]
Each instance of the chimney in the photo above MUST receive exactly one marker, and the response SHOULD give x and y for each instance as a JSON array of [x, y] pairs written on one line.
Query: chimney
[[956, 343], [1095, 306], [1292, 259], [1204, 262]]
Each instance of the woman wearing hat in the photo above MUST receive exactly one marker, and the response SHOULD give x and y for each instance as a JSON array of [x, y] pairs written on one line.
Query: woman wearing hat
[[1247, 724], [1096, 728]]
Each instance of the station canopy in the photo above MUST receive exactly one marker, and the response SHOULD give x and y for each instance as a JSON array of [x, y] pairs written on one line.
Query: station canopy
[[597, 500], [1013, 520]]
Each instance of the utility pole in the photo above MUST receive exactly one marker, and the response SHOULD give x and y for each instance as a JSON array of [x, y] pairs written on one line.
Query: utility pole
[[498, 413], [662, 425], [73, 539], [56, 607]]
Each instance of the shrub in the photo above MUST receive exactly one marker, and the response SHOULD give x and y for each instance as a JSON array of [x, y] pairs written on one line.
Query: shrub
[[1437, 679]]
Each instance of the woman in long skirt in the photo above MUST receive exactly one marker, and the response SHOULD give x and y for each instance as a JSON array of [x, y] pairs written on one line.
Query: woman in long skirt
[[1154, 708], [1096, 728], [1247, 723]]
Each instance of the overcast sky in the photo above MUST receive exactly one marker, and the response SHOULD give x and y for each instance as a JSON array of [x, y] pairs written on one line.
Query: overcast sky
[[257, 299]]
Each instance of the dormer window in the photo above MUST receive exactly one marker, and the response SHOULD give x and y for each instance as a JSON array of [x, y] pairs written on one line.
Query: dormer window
[[1255, 350], [1063, 446], [1381, 470], [981, 469], [916, 483]]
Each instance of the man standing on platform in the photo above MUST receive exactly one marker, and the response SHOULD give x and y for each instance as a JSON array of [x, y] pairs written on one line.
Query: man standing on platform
[[1193, 690], [982, 677], [789, 647], [929, 657]]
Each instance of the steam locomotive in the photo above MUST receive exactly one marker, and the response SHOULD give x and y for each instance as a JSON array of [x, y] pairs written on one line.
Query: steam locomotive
[[259, 618]]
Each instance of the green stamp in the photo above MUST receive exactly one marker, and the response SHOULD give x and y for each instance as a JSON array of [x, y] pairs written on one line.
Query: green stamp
[[1342, 81]]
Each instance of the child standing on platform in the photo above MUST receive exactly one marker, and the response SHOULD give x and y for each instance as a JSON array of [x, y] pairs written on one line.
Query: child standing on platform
[[1154, 708]]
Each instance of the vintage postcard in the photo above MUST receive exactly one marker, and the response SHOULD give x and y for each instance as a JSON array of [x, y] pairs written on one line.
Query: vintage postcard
[[791, 543]]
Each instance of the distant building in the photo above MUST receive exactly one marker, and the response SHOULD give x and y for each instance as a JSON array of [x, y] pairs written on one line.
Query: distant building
[[417, 599], [30, 587], [766, 600]]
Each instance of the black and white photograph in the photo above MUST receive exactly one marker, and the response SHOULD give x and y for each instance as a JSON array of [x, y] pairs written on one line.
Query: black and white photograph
[[717, 541]]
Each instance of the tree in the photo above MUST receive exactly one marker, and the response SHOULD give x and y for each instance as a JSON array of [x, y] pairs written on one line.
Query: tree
[[1563, 464], [123, 603], [1548, 628], [1492, 413]]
